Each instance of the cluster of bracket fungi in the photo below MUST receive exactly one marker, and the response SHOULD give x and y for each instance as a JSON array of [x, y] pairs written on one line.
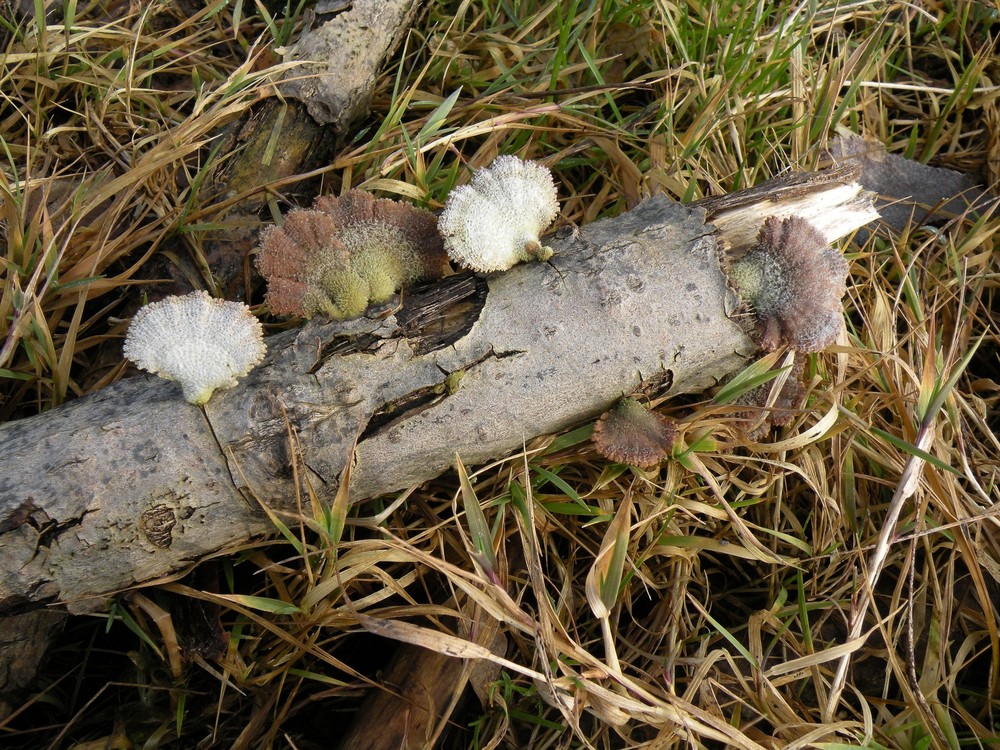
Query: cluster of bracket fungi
[[338, 258], [790, 285], [344, 254]]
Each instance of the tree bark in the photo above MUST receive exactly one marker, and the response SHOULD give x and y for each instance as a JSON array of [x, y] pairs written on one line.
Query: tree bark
[[133, 483]]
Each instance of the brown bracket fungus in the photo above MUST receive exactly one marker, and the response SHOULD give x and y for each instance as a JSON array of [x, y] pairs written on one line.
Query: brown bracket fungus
[[792, 282], [346, 253], [497, 220], [201, 342], [629, 433]]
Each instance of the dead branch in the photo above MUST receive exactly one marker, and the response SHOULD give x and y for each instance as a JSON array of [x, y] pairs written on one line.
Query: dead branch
[[133, 483]]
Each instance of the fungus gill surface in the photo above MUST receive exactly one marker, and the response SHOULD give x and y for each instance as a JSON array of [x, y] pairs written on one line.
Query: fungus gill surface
[[346, 253], [201, 342], [497, 219], [792, 282]]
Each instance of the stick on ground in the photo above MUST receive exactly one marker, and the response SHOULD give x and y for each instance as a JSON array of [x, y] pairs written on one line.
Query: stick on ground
[[133, 483]]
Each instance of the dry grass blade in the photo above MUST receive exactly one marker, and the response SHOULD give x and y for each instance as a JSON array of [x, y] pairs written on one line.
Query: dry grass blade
[[482, 539], [440, 642], [605, 577], [714, 599]]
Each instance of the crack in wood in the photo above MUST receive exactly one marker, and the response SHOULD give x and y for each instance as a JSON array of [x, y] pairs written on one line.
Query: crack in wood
[[430, 316], [438, 314], [342, 346], [399, 410]]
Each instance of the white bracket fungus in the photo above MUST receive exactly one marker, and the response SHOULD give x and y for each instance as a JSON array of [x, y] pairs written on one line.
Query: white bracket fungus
[[201, 342], [496, 220]]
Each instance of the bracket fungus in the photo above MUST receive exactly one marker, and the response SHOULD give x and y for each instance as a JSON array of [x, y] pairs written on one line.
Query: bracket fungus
[[792, 281], [201, 342], [346, 253], [629, 433], [497, 219]]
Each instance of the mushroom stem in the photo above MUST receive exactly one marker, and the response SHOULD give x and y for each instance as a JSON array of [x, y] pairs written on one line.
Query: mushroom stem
[[535, 250]]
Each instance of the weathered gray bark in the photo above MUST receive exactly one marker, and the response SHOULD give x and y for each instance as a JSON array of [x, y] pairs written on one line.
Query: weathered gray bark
[[134, 483], [342, 57]]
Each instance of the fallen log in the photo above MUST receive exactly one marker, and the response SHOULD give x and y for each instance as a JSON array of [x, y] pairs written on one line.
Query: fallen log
[[133, 483]]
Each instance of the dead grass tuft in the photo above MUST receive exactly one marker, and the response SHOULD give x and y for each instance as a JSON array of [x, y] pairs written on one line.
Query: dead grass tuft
[[108, 129], [833, 582]]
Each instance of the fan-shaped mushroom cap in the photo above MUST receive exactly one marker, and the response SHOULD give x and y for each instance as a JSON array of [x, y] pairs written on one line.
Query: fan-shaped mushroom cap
[[629, 433], [497, 220], [201, 342], [792, 281], [346, 253]]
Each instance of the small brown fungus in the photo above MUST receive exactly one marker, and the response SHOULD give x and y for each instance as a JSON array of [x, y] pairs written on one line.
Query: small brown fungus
[[792, 282], [629, 433], [346, 253]]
